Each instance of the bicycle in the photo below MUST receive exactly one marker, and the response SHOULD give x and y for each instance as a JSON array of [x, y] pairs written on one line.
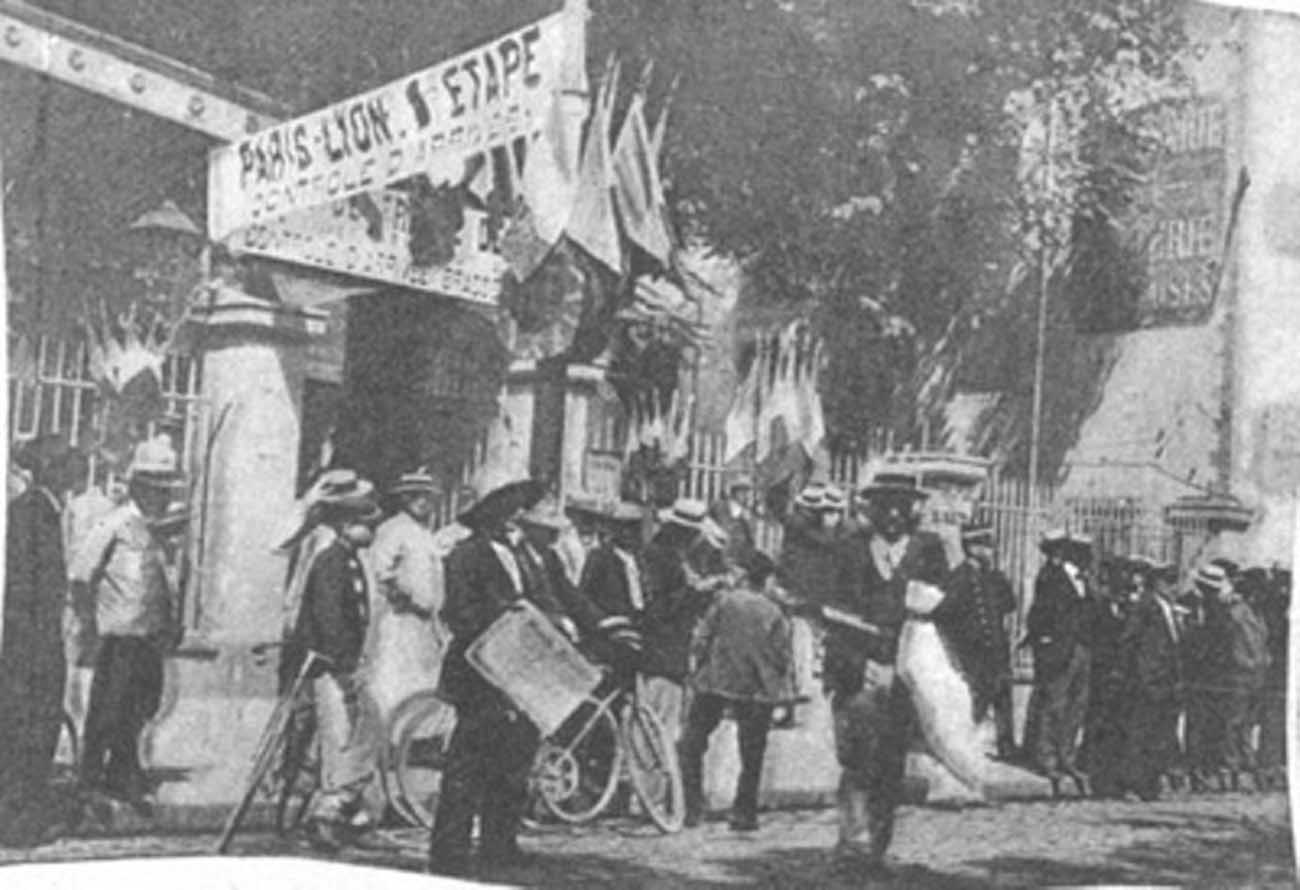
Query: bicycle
[[578, 769], [413, 757], [286, 741]]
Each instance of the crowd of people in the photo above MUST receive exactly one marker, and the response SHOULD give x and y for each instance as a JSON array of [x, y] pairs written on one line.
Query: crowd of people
[[1142, 683], [1136, 681]]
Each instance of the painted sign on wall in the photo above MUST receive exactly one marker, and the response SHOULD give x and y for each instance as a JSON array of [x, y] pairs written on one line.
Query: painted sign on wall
[[1182, 215]]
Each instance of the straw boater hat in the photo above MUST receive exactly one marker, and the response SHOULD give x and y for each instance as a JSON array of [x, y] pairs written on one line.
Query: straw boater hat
[[547, 514], [686, 513], [892, 483], [419, 482], [502, 502], [820, 496], [1211, 578]]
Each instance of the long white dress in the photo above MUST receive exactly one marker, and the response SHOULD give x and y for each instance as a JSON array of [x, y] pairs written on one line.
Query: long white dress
[[404, 650]]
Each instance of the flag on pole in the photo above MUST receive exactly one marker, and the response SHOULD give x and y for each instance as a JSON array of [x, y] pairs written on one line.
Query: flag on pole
[[592, 224], [638, 191]]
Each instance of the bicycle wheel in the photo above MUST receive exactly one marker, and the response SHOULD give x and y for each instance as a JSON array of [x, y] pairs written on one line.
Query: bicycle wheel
[[577, 781], [414, 760], [653, 767], [269, 745]]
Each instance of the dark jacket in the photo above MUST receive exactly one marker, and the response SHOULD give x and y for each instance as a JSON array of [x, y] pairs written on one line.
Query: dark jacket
[[673, 606], [740, 534], [1241, 655], [1155, 657], [743, 649], [1058, 620], [861, 590], [478, 591], [604, 582], [335, 609], [972, 617], [548, 586], [36, 581], [808, 557]]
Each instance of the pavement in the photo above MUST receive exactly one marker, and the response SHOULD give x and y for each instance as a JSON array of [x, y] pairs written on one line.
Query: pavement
[[1227, 840]]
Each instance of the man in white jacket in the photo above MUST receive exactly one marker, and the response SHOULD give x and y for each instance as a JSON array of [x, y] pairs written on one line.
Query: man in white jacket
[[406, 638]]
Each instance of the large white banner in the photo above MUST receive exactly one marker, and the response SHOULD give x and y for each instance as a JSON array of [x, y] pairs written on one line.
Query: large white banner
[[427, 122]]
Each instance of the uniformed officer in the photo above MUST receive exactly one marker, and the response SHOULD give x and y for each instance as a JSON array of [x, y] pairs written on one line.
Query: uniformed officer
[[973, 618]]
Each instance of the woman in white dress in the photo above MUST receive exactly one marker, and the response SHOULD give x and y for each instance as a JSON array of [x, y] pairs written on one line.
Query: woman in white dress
[[407, 638]]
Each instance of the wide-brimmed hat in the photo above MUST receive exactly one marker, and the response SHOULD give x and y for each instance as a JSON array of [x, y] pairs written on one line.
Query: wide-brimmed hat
[[819, 496], [613, 511], [358, 507], [502, 502], [737, 478], [1212, 577], [1231, 567], [894, 484], [978, 533], [547, 514], [418, 482], [686, 513]]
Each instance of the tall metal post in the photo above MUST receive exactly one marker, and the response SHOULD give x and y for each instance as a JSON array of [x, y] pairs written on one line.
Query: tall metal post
[[1044, 264]]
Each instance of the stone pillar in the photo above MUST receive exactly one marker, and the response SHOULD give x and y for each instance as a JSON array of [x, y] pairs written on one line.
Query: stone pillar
[[253, 370], [216, 697], [1266, 427]]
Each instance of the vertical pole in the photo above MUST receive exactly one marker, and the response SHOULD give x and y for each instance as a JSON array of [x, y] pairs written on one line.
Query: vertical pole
[[1293, 682], [4, 391], [1036, 418]]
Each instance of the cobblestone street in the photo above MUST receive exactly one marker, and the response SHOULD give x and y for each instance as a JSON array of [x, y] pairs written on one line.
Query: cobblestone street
[[1225, 840]]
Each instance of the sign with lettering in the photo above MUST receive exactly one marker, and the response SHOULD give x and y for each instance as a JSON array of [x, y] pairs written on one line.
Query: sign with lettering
[[1181, 213], [340, 239], [428, 122]]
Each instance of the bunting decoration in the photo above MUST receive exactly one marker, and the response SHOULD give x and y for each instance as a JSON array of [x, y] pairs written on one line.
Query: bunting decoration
[[777, 403], [638, 191], [592, 224]]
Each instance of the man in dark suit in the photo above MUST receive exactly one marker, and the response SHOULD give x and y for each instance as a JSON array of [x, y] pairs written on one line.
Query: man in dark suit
[[973, 618], [1057, 629], [733, 515], [1124, 583], [32, 667], [873, 714], [611, 581], [544, 573], [1153, 640], [493, 745]]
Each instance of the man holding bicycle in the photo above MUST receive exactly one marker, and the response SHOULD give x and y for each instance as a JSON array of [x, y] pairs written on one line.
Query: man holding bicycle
[[493, 746], [332, 622]]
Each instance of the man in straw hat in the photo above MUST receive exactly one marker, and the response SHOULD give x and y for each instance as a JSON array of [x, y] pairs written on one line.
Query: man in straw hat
[[32, 663], [333, 621], [676, 597], [493, 745], [119, 577], [1240, 661], [546, 575], [1154, 689], [611, 578], [1058, 624], [873, 712], [407, 639]]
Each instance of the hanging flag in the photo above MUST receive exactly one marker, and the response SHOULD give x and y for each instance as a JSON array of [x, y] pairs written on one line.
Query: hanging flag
[[638, 192], [742, 420], [592, 224], [661, 124]]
